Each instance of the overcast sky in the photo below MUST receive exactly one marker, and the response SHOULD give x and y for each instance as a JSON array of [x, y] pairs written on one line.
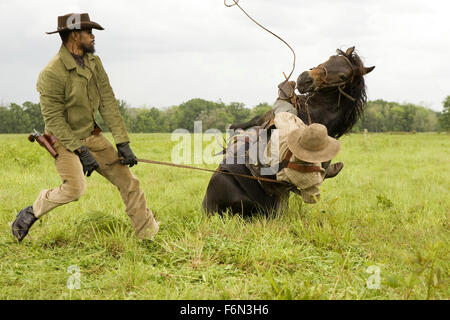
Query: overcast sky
[[162, 53]]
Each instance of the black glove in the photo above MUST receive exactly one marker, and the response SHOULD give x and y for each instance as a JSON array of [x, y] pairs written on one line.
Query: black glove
[[87, 160], [126, 153]]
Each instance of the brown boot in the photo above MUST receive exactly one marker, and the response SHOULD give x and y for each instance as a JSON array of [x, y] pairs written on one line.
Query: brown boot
[[333, 170]]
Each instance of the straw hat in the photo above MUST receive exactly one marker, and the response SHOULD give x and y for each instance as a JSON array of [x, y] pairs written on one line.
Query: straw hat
[[75, 21], [312, 144]]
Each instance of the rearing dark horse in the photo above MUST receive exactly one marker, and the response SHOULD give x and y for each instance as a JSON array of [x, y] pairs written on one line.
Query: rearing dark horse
[[335, 93]]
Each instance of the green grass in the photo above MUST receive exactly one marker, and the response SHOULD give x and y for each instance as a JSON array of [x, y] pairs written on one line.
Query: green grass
[[389, 207]]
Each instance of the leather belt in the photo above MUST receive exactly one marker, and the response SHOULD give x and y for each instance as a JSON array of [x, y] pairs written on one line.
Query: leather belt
[[297, 167], [304, 169]]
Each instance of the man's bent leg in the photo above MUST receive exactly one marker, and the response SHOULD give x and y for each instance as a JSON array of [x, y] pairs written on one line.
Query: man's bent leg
[[72, 187], [142, 219]]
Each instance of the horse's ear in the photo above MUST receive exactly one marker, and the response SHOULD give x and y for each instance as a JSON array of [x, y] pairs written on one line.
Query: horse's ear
[[367, 70], [350, 51]]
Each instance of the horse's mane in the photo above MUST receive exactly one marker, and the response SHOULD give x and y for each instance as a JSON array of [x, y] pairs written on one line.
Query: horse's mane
[[352, 111]]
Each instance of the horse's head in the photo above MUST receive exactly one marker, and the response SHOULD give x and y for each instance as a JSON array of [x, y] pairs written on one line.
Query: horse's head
[[337, 90], [338, 71]]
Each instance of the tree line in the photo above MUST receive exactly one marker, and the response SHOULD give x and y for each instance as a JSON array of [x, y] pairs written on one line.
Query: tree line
[[379, 116]]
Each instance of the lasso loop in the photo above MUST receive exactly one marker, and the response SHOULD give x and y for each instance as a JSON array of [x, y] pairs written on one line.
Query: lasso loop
[[236, 3], [231, 5]]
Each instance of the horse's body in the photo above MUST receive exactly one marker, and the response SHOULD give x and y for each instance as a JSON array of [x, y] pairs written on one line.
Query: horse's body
[[238, 194], [335, 96]]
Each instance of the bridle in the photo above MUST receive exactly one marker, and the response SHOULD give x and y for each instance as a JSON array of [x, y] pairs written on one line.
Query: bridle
[[325, 84], [339, 84]]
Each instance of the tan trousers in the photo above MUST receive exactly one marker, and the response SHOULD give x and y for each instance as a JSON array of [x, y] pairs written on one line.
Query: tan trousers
[[73, 184]]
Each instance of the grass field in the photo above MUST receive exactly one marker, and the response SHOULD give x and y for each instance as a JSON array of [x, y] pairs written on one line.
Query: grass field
[[389, 208]]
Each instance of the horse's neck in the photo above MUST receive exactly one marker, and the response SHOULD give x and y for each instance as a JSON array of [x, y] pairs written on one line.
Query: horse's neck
[[323, 109]]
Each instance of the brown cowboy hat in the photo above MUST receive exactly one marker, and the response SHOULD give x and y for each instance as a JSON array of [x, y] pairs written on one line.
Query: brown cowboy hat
[[75, 21], [312, 144]]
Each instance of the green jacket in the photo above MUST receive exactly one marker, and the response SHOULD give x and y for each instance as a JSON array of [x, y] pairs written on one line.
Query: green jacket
[[70, 99]]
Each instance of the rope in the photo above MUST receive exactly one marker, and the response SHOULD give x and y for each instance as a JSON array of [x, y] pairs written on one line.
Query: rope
[[170, 164], [295, 100], [236, 3]]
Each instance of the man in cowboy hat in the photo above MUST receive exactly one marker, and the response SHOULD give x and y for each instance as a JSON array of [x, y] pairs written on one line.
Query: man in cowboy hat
[[73, 87], [303, 149], [286, 91]]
